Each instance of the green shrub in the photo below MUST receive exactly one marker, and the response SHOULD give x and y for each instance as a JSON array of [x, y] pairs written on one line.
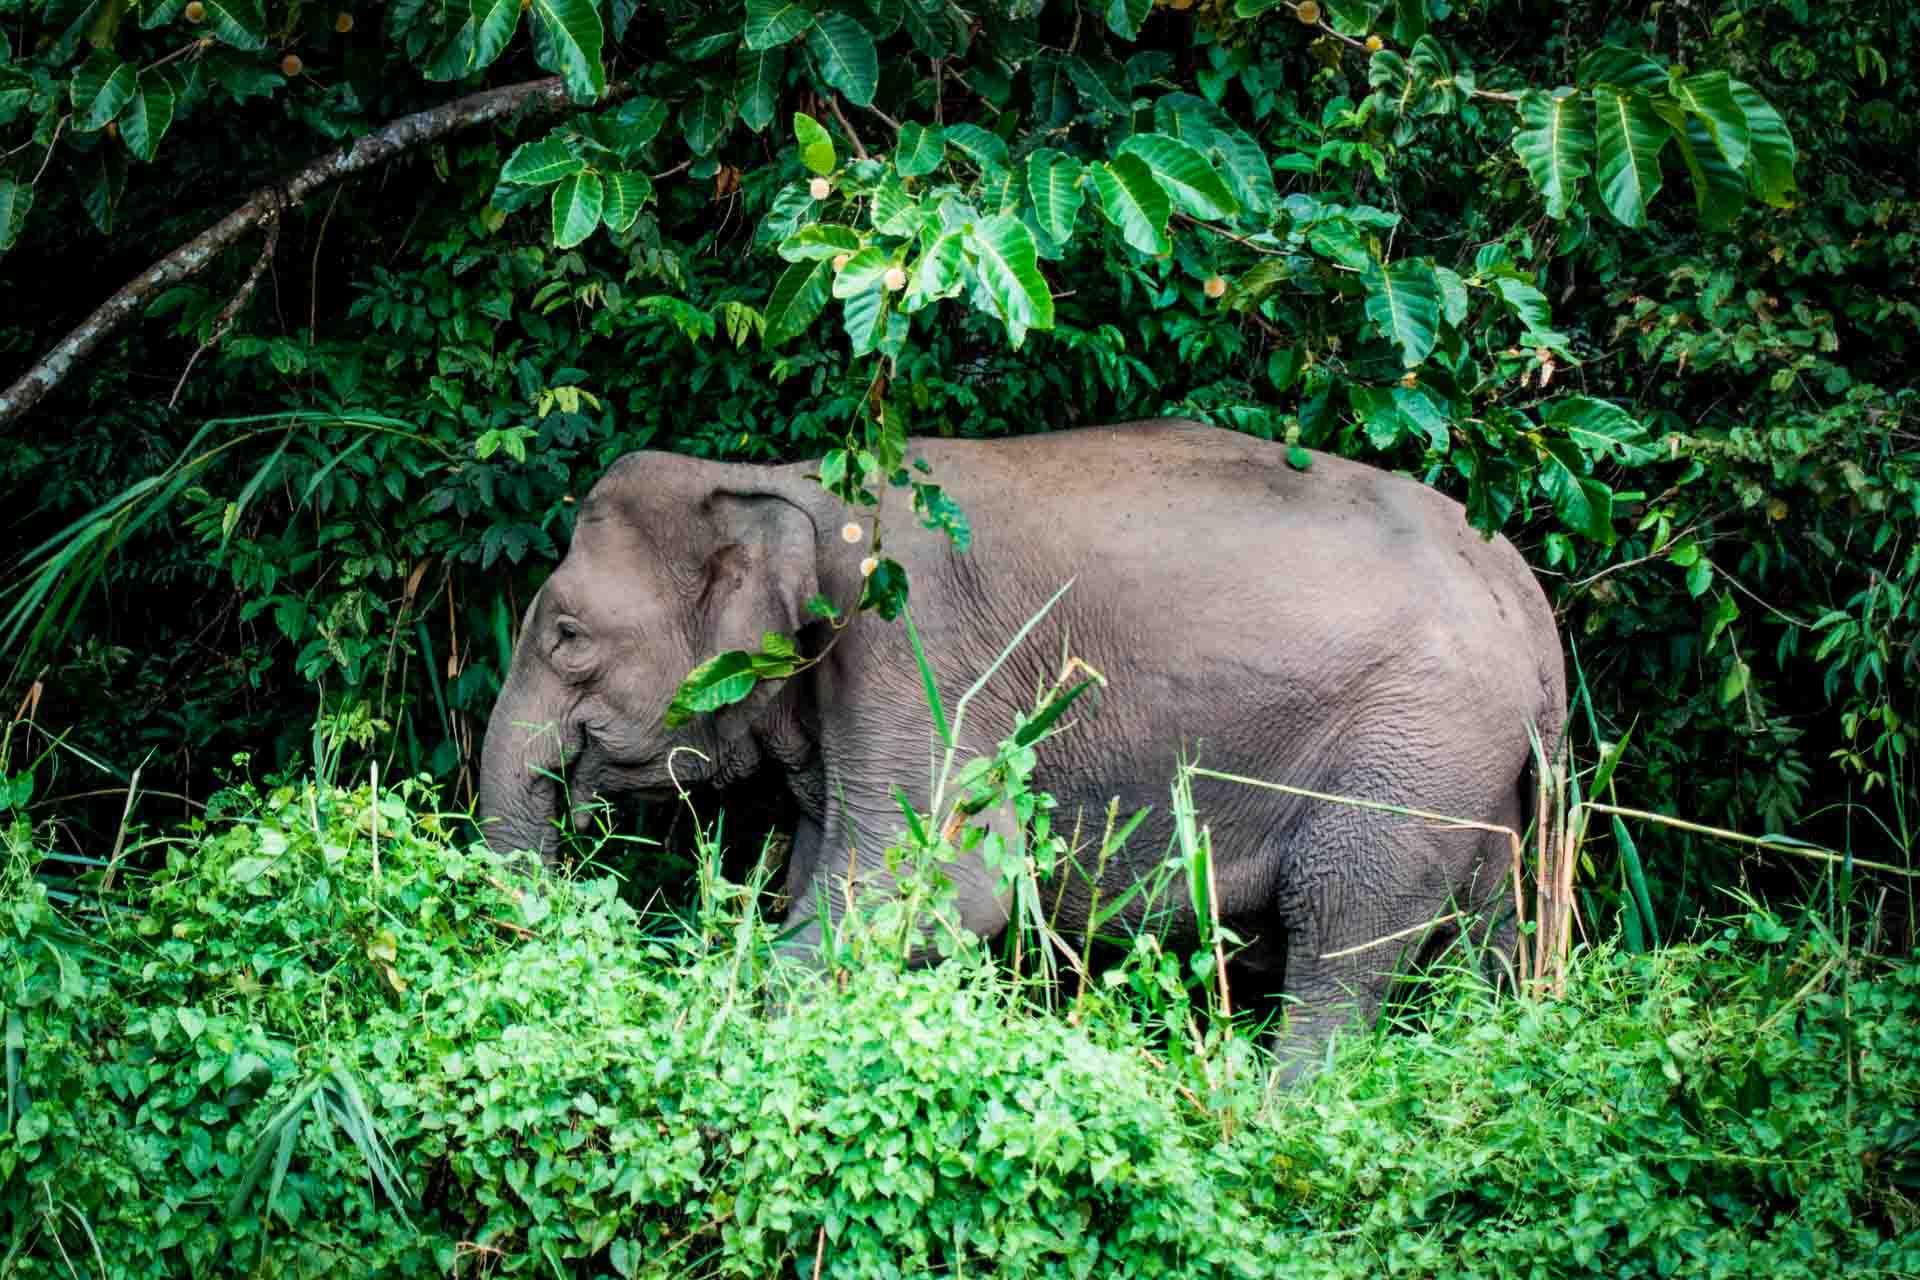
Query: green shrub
[[285, 1053]]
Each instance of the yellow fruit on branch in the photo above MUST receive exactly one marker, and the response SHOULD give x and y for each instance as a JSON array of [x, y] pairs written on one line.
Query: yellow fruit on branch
[[1375, 44], [819, 188], [1216, 286], [1308, 12], [196, 12], [343, 23], [291, 66]]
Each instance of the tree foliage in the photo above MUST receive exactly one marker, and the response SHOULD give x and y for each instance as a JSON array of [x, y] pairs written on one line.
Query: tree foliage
[[1637, 289]]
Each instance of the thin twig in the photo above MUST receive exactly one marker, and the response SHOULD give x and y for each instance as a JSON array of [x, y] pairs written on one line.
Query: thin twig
[[1231, 235], [859, 147], [120, 836], [52, 143], [1408, 932], [230, 312]]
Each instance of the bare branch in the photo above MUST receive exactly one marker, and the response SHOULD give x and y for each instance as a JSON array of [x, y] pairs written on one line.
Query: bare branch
[[197, 254], [224, 321]]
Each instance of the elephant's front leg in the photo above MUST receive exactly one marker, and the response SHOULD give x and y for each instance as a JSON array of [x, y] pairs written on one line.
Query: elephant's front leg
[[851, 870]]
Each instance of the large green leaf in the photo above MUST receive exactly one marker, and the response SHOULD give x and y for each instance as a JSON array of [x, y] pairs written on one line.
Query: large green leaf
[[1185, 173], [844, 55], [1719, 190], [819, 240], [1009, 268], [626, 192], [704, 121], [1771, 152], [938, 274], [1601, 428], [987, 150], [1053, 180], [864, 317], [1204, 126], [1582, 503], [144, 120], [757, 82], [1527, 303], [772, 23], [1404, 300], [577, 203], [1628, 136], [1133, 202], [1622, 68], [535, 164], [100, 88], [797, 298], [815, 143], [15, 199], [567, 38], [1125, 16], [239, 23], [16, 91], [862, 272], [1710, 99], [939, 28], [921, 149], [494, 22], [1554, 141]]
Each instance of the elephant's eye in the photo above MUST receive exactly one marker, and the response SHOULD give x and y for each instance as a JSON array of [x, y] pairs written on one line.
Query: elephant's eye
[[569, 632]]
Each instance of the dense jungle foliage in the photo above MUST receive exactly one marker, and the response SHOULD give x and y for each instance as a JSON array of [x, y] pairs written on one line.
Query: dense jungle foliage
[[360, 299]]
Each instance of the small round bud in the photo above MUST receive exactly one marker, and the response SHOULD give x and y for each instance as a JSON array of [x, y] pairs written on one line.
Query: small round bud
[[113, 128], [1409, 379], [196, 12], [895, 280], [851, 531], [1215, 287], [291, 66], [1375, 44], [819, 188], [343, 23], [840, 261], [1776, 510], [868, 565], [1308, 12]]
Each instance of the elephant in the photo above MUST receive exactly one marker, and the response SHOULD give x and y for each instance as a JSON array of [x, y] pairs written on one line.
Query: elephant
[[1318, 623]]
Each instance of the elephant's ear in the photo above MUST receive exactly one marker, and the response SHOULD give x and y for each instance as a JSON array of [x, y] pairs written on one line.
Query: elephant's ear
[[761, 571]]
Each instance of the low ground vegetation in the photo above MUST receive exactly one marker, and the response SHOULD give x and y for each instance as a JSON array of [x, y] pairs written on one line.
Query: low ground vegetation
[[326, 1035]]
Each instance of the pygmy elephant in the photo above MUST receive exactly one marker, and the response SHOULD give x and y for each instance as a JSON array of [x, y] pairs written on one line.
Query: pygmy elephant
[[1331, 626]]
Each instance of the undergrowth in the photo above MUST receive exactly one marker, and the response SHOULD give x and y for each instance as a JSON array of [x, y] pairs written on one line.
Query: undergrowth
[[326, 1037]]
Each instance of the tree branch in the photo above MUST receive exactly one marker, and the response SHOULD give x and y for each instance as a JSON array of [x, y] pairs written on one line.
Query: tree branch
[[197, 254]]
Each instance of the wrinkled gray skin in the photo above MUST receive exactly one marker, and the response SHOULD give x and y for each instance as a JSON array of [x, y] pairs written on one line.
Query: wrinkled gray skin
[[1339, 629]]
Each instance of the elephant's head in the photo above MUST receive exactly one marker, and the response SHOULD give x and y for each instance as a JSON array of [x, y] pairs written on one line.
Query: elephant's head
[[673, 560]]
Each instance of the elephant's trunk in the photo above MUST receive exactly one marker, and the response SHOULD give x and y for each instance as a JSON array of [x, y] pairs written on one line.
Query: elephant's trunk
[[519, 798]]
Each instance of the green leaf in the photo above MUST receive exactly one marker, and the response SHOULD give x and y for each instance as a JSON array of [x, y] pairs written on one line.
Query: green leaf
[[1600, 427], [1554, 142], [1527, 303], [1125, 16], [1204, 126], [1710, 99], [720, 681], [844, 55], [1133, 202], [15, 199], [626, 192], [704, 121], [1053, 180], [819, 240], [1009, 269], [797, 298], [772, 23], [1719, 190], [757, 82], [1623, 68], [938, 273], [239, 23], [922, 148], [1453, 296], [1771, 152], [1582, 503], [864, 317], [987, 150], [494, 22], [886, 590], [1404, 300], [535, 164], [567, 40], [145, 119], [1409, 20], [1185, 173], [862, 272], [16, 91], [101, 86], [816, 144], [577, 203], [1629, 135]]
